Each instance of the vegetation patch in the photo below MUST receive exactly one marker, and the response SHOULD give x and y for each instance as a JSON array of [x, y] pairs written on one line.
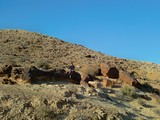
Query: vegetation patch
[[43, 64], [127, 93], [141, 102]]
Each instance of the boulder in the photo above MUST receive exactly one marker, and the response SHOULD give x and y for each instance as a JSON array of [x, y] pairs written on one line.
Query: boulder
[[5, 71], [107, 82], [95, 84], [109, 70], [126, 78]]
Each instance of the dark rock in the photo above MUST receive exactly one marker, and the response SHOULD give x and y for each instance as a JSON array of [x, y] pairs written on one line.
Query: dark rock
[[5, 70]]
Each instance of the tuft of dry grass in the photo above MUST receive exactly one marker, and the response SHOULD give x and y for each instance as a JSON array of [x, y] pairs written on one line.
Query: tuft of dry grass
[[43, 64], [126, 93], [11, 61], [158, 100], [157, 111], [141, 102]]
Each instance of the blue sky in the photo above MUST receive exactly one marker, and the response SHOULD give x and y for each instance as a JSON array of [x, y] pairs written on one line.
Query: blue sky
[[122, 28]]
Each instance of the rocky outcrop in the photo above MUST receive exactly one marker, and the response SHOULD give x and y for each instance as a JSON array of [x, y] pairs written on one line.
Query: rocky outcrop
[[34, 75]]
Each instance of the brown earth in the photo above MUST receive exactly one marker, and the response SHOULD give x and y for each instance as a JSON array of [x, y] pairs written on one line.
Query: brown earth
[[63, 100]]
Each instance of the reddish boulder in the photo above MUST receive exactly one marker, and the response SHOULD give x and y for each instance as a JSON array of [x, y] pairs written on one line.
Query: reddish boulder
[[126, 78], [109, 70]]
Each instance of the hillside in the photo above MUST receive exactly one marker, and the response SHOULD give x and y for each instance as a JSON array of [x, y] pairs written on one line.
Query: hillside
[[27, 48], [22, 49]]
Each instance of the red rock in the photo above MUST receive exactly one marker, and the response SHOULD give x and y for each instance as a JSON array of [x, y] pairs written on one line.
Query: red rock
[[126, 78], [109, 70]]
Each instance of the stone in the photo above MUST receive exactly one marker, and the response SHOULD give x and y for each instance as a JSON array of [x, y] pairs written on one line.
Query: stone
[[108, 82], [5, 71], [126, 78], [95, 84], [109, 70]]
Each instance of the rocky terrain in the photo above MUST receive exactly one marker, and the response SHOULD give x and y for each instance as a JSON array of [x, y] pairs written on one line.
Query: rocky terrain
[[60, 100]]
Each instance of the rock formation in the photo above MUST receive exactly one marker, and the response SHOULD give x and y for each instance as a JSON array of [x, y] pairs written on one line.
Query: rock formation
[[34, 75]]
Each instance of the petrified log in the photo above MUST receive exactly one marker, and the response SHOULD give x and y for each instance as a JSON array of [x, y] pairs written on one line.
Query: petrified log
[[33, 75], [109, 70], [126, 78]]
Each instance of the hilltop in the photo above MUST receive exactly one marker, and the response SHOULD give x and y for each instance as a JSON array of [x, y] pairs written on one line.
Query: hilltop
[[23, 49]]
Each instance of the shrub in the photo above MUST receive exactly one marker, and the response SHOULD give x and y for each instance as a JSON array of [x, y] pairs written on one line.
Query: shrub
[[140, 101], [10, 61], [43, 64], [126, 93], [147, 87], [157, 111], [158, 100]]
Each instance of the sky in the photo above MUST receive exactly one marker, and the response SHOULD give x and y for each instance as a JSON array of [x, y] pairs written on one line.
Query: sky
[[122, 28]]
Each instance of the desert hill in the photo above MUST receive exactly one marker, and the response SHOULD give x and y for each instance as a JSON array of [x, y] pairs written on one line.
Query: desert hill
[[27, 48], [67, 101]]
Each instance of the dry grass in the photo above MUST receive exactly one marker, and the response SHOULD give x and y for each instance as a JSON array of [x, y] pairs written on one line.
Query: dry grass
[[157, 111], [126, 93], [141, 101], [42, 64]]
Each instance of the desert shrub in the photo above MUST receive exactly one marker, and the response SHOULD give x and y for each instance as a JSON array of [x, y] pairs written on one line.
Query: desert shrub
[[158, 100], [22, 59], [157, 111], [11, 61], [147, 87], [140, 101], [126, 93], [1, 59], [42, 64], [44, 112]]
